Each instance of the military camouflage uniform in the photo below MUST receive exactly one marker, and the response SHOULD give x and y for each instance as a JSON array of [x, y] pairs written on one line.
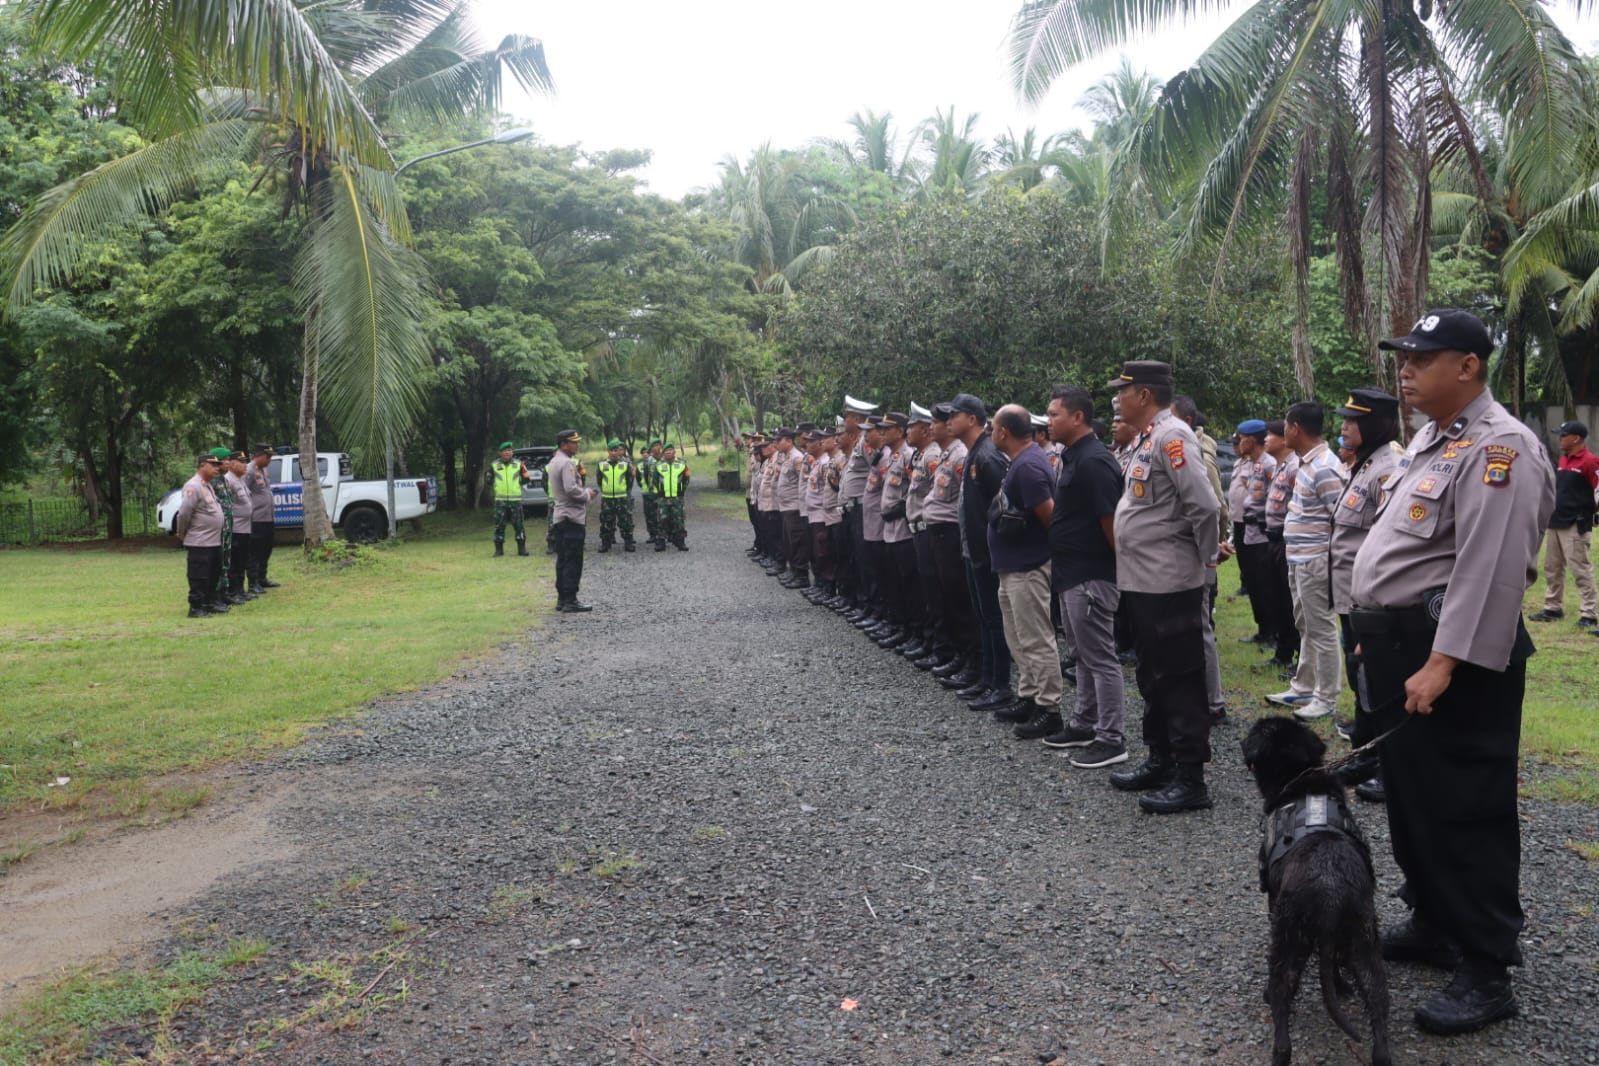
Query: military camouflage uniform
[[224, 495]]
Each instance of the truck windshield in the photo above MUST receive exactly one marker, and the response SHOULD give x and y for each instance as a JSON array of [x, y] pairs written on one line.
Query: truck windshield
[[321, 468]]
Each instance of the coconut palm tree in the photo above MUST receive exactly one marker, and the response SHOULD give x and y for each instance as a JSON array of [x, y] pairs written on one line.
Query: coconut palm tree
[[1027, 161], [874, 147], [955, 160], [305, 90], [784, 223], [1340, 100]]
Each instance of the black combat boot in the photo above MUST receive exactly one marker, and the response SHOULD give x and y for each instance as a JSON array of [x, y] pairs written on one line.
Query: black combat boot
[[1043, 723], [1156, 771], [521, 548], [499, 549], [199, 612], [605, 546], [1185, 792], [1479, 995], [629, 546], [660, 546]]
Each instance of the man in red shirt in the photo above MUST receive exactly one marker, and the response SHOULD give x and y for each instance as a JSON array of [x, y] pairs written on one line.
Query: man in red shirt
[[1576, 478]]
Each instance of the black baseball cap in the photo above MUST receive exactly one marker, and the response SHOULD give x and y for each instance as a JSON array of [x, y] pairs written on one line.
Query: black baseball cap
[[1447, 329], [1572, 428], [966, 403]]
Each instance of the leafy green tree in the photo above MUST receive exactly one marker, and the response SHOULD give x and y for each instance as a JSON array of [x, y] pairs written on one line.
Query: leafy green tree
[[303, 90], [1362, 101]]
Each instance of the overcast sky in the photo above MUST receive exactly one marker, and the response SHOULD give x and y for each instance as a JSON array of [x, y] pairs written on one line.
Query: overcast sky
[[696, 81]]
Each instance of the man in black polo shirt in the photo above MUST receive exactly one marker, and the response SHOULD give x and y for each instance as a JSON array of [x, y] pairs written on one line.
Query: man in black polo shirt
[[1082, 545]]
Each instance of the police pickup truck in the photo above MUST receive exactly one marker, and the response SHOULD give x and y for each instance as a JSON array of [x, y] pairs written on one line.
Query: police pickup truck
[[359, 508]]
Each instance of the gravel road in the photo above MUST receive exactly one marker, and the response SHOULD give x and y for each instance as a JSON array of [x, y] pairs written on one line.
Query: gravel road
[[709, 823]]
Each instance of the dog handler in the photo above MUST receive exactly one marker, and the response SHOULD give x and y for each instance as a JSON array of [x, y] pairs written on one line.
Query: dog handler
[[1437, 589]]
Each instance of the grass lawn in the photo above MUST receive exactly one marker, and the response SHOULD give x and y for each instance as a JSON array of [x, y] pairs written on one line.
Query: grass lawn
[[107, 681], [1560, 718]]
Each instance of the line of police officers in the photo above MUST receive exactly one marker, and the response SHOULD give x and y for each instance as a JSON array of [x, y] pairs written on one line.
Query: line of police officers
[[226, 523], [883, 520]]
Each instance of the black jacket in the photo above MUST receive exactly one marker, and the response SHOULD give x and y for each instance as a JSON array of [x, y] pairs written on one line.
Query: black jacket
[[985, 473]]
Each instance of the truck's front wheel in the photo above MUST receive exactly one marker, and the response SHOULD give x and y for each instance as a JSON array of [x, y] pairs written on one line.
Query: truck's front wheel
[[364, 525]]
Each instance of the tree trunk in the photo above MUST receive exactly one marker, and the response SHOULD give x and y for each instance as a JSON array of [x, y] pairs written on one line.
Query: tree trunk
[[318, 527], [91, 482], [450, 486], [113, 485]]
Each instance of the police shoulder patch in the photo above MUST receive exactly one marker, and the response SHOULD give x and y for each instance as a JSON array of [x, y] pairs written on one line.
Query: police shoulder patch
[[1498, 459], [1174, 452]]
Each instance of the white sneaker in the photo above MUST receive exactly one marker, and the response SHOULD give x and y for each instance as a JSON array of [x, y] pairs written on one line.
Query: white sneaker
[[1313, 709], [1290, 698]]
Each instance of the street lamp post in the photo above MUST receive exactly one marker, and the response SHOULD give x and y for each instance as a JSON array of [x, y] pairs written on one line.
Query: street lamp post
[[508, 137]]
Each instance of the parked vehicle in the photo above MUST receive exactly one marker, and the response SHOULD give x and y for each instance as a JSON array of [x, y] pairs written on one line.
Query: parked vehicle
[[535, 494], [358, 508]]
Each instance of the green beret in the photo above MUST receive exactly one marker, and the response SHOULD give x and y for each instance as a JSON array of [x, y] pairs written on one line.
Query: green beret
[[506, 446], [221, 453], [654, 441], [613, 443]]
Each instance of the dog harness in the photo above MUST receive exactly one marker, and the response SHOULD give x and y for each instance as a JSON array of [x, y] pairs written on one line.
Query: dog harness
[[1294, 822]]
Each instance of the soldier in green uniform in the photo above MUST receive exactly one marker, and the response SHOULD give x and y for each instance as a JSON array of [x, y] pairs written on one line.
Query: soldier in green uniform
[[225, 592], [507, 475], [648, 491], [671, 481], [616, 500]]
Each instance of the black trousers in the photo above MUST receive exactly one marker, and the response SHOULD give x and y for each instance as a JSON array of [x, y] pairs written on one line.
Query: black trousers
[[822, 552], [204, 565], [262, 534], [865, 585], [568, 536], [797, 538], [954, 595], [1238, 542], [994, 660], [1253, 563], [239, 563], [1280, 598], [772, 530], [1363, 729], [879, 594], [844, 574], [907, 587], [755, 522], [1170, 641], [1450, 779], [927, 586]]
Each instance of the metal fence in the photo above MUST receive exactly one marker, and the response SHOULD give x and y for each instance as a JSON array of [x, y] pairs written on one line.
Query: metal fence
[[46, 521]]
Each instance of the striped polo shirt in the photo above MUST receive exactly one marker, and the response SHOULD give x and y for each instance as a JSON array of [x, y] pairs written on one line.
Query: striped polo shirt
[[1307, 533]]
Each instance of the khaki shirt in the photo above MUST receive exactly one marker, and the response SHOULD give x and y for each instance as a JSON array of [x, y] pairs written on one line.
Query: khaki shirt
[[1207, 447], [261, 512], [944, 498], [568, 497], [852, 481], [791, 482], [896, 491], [832, 505], [1281, 492], [924, 465], [1354, 515], [771, 470], [1166, 528], [243, 502], [199, 519], [816, 489], [753, 467], [1465, 508], [872, 499]]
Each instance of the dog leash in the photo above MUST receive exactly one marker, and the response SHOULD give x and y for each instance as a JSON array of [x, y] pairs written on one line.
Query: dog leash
[[1343, 761]]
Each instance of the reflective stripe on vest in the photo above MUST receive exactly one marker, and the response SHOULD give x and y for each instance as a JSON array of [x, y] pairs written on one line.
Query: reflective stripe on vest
[[613, 479], [507, 481], [670, 478]]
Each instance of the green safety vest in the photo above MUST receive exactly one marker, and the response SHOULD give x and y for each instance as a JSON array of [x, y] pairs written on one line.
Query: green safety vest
[[507, 481], [613, 479], [669, 476]]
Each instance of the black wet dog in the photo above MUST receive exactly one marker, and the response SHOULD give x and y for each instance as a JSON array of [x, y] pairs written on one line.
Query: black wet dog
[[1316, 870]]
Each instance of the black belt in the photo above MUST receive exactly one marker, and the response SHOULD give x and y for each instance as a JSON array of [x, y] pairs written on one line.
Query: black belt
[[918, 526], [940, 527]]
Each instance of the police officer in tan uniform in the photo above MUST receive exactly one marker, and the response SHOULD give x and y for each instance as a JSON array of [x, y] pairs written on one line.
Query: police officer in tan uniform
[[199, 526], [1436, 590], [1167, 538], [1371, 426]]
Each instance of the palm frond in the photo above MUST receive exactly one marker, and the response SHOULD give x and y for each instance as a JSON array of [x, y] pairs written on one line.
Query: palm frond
[[358, 288], [1527, 67], [49, 240], [1049, 37], [174, 48]]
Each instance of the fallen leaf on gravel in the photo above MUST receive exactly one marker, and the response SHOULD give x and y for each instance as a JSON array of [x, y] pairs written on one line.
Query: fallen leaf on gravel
[[848, 1004]]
